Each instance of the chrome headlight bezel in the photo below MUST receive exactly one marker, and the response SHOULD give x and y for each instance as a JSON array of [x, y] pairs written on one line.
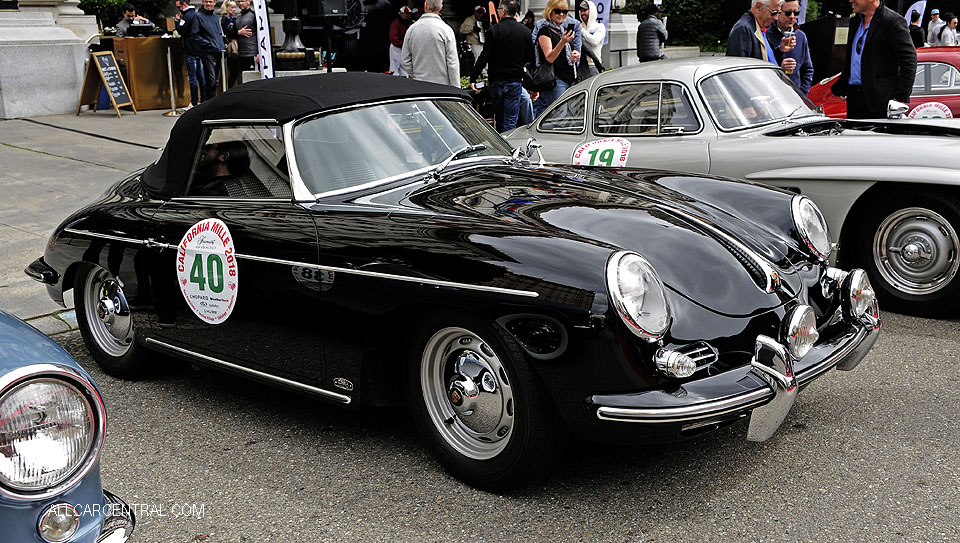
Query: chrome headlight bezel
[[859, 298], [627, 313], [799, 332], [814, 234], [70, 377]]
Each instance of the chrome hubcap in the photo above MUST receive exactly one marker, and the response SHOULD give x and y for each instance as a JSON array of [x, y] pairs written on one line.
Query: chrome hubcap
[[915, 250], [108, 315], [466, 393]]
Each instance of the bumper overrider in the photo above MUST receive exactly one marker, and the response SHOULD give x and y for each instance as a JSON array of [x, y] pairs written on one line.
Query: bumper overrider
[[766, 388]]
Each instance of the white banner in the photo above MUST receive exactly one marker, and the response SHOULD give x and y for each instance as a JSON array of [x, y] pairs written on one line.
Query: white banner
[[803, 12], [603, 16], [263, 39], [919, 7]]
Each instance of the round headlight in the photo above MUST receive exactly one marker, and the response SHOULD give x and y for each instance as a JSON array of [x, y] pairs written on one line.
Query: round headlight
[[811, 226], [47, 431], [859, 293], [800, 330], [638, 295]]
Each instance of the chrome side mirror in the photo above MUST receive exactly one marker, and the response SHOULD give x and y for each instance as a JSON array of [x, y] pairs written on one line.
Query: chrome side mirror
[[531, 145], [896, 110]]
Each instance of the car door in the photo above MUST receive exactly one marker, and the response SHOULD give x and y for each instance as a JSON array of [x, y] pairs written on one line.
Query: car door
[[235, 261], [645, 125], [936, 91], [562, 127]]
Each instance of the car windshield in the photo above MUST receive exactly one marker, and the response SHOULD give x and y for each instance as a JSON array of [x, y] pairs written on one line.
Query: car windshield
[[744, 98], [353, 148]]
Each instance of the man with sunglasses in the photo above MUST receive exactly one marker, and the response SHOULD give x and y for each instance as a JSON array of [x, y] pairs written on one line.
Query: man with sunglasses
[[798, 48], [881, 62], [748, 37]]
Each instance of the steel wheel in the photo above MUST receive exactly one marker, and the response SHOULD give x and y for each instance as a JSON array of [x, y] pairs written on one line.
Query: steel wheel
[[108, 315], [915, 251], [466, 393], [106, 324]]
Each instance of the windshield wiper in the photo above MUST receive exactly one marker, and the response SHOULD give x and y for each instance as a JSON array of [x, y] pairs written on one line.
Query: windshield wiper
[[466, 149], [789, 118]]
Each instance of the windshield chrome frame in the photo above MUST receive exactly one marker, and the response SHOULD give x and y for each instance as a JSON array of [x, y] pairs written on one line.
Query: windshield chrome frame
[[302, 194], [713, 117]]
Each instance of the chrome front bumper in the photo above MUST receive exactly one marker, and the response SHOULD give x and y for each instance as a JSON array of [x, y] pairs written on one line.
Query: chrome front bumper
[[119, 522], [767, 388]]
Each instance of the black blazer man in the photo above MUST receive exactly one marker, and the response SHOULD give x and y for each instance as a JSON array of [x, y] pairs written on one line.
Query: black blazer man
[[881, 61]]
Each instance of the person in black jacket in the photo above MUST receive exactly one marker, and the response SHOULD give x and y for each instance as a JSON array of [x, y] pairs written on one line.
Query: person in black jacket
[[881, 61], [748, 37], [203, 41], [506, 49], [916, 33], [186, 16]]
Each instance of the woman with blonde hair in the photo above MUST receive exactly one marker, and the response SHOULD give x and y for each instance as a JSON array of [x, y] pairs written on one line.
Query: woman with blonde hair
[[228, 21], [553, 47]]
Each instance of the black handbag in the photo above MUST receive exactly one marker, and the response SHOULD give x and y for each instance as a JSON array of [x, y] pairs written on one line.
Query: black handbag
[[539, 78]]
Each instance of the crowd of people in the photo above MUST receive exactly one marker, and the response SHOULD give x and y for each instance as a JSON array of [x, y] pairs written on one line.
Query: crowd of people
[[881, 60]]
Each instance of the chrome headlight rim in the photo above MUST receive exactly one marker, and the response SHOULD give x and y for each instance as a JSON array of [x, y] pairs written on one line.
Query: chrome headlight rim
[[616, 296], [793, 323], [65, 374], [857, 290], [796, 205]]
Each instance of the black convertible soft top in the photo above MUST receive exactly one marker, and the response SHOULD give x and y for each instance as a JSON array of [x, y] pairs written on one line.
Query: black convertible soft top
[[281, 99]]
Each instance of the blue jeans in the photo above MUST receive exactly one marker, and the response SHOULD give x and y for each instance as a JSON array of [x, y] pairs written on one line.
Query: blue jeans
[[526, 108], [507, 95], [195, 75], [549, 97]]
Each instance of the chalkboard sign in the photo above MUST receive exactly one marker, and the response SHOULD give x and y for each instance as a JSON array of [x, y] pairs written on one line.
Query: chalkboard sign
[[102, 69]]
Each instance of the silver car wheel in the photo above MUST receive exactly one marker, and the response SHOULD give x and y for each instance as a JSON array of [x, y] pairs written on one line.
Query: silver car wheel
[[915, 251], [108, 315], [466, 393]]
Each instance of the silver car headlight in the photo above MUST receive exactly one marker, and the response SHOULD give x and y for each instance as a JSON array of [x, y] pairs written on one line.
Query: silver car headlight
[[638, 295], [811, 226], [51, 430]]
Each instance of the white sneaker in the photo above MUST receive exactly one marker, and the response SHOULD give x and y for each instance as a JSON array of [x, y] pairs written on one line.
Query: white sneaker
[[188, 108]]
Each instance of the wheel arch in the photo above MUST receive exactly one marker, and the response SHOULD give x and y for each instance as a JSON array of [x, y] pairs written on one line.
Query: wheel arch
[[875, 192]]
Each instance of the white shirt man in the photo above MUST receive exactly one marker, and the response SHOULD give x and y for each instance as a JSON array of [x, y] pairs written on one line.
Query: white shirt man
[[430, 48]]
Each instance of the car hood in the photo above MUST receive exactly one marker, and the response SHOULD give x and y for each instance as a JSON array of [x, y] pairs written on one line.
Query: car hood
[[22, 345], [701, 250]]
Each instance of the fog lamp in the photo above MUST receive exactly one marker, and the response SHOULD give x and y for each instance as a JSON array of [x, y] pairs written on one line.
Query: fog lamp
[[674, 363], [800, 330], [859, 293], [59, 522]]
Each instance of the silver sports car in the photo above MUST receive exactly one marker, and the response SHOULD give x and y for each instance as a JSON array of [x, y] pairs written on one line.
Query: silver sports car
[[889, 190]]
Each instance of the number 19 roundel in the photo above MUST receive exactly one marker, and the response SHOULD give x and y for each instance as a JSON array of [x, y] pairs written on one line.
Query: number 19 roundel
[[605, 152], [207, 270]]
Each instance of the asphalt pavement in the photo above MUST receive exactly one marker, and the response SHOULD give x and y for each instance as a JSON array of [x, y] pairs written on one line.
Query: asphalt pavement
[[868, 455]]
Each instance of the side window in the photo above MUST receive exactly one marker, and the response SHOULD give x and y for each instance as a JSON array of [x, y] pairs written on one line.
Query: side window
[[676, 111], [566, 117], [628, 109], [919, 80], [240, 162], [943, 77], [640, 109]]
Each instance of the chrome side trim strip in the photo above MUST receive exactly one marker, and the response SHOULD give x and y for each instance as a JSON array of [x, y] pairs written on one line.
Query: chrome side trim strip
[[287, 382], [380, 275], [105, 236], [244, 122]]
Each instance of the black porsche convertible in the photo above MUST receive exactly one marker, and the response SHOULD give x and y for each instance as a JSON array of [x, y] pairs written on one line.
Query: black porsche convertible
[[372, 241]]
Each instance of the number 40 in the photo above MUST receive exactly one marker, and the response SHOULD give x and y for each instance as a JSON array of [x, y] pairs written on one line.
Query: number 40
[[214, 272]]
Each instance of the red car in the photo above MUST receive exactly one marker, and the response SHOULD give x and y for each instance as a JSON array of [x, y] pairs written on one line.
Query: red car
[[936, 88]]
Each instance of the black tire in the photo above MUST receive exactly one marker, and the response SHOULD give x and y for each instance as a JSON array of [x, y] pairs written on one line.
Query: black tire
[[535, 434], [909, 245], [111, 340]]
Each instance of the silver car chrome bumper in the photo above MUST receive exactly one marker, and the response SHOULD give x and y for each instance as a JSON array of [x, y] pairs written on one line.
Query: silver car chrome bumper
[[772, 365], [119, 523]]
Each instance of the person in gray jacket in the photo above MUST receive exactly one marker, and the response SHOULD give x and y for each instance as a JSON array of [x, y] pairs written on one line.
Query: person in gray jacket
[[430, 49], [651, 34], [249, 53]]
